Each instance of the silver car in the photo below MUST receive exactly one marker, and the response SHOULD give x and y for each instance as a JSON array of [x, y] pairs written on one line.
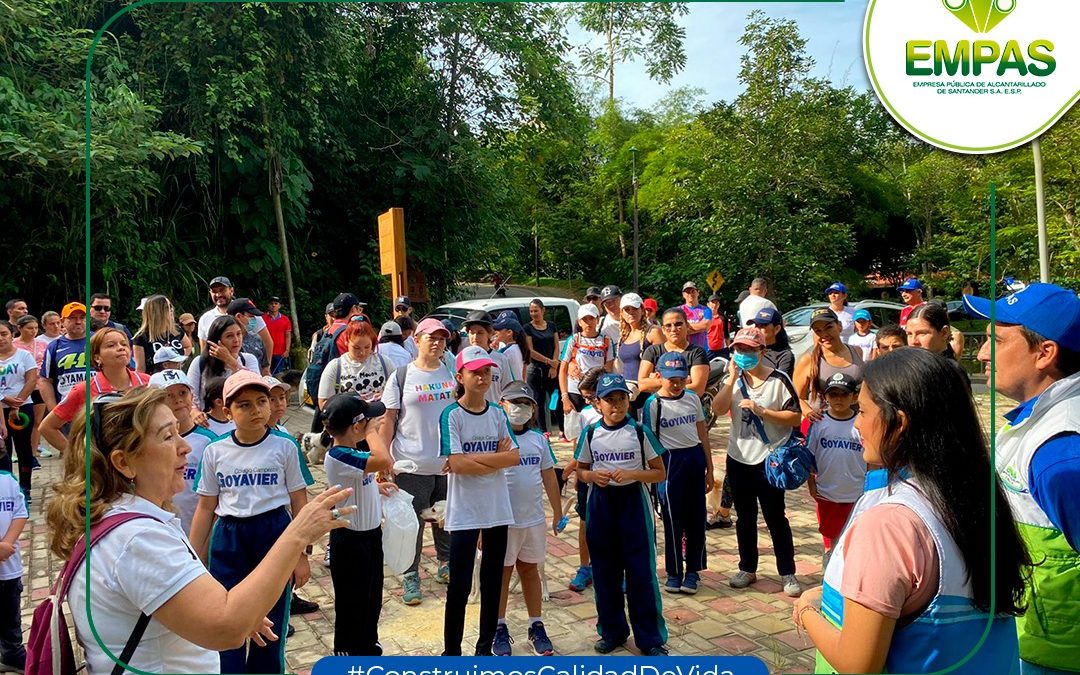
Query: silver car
[[797, 321]]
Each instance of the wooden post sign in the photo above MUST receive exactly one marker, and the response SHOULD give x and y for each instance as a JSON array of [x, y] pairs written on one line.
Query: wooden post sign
[[392, 250]]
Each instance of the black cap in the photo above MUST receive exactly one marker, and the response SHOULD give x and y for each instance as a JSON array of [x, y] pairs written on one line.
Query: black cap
[[274, 298], [517, 389], [742, 296], [329, 308], [346, 301], [610, 293], [592, 292], [347, 408], [224, 281], [477, 316], [243, 306], [402, 301], [714, 298], [842, 381], [823, 314]]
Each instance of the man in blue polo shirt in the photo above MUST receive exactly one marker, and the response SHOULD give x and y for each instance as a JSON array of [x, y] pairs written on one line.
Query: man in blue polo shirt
[[64, 363], [1037, 363]]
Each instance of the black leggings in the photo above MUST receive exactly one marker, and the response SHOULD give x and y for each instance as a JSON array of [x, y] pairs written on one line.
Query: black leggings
[[542, 387], [18, 442], [462, 558], [749, 487], [357, 574]]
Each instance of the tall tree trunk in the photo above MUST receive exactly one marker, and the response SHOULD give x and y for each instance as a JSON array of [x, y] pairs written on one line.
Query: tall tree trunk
[[611, 55], [279, 217]]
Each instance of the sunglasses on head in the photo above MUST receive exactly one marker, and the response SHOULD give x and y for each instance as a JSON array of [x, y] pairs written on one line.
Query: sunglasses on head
[[96, 427]]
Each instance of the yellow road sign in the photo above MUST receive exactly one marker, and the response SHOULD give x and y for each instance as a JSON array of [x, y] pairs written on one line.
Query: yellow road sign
[[715, 279]]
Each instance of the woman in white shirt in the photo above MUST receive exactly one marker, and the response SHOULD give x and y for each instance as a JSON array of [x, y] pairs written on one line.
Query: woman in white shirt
[[146, 566], [221, 358]]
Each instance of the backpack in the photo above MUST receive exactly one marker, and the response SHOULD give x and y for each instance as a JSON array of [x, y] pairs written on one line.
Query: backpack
[[790, 465], [325, 351], [48, 649], [651, 487]]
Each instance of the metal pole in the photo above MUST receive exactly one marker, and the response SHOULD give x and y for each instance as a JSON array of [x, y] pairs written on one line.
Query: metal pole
[[633, 172], [1040, 210]]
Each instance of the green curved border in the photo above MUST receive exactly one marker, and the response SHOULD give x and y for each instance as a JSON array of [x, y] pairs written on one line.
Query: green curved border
[[1008, 145]]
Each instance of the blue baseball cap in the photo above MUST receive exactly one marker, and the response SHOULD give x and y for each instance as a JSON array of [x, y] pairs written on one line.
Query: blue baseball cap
[[861, 314], [1051, 311], [910, 284], [766, 317], [506, 320], [672, 364], [836, 286], [610, 383]]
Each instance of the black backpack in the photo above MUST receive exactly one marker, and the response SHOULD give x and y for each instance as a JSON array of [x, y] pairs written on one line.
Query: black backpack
[[325, 351]]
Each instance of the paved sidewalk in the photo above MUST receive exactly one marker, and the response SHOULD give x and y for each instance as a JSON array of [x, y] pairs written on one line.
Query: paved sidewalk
[[718, 620]]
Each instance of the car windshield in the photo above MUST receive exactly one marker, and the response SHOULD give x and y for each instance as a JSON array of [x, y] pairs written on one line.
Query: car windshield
[[454, 315], [799, 317]]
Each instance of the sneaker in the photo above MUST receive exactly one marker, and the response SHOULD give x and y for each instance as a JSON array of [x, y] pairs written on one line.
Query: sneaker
[[655, 651], [720, 523], [34, 463], [742, 579], [539, 640], [443, 576], [605, 646], [302, 606], [411, 583], [581, 580], [690, 583], [501, 645], [45, 452], [326, 557], [14, 666], [792, 587], [673, 584], [289, 633]]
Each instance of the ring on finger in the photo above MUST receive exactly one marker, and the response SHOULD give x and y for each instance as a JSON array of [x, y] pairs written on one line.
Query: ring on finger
[[335, 514]]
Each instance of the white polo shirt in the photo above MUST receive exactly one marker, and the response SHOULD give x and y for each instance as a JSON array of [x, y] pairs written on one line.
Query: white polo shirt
[[838, 451], [475, 502], [137, 568], [679, 417], [526, 480], [12, 507], [249, 479], [617, 448], [347, 467]]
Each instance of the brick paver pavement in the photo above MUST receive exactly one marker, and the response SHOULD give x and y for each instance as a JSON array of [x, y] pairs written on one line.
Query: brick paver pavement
[[718, 620]]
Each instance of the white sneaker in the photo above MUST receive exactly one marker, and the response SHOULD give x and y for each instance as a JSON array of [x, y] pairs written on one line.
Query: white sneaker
[[742, 579], [792, 587], [45, 452]]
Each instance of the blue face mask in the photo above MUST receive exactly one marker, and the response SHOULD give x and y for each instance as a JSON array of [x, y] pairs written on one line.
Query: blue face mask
[[746, 361], [251, 325]]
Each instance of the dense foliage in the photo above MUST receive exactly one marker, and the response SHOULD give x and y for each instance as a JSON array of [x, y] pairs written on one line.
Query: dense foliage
[[471, 117]]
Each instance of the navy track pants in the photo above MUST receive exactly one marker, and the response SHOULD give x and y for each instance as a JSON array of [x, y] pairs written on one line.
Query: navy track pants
[[683, 509]]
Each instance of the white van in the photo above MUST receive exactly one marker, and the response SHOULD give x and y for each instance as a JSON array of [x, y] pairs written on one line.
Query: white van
[[560, 311]]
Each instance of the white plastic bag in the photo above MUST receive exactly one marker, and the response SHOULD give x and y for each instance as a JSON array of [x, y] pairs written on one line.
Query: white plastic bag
[[572, 425], [399, 531]]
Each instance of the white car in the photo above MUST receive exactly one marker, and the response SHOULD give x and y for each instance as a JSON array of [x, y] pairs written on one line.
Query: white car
[[797, 321], [560, 311]]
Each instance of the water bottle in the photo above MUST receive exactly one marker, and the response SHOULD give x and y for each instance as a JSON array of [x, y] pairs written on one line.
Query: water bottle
[[562, 523]]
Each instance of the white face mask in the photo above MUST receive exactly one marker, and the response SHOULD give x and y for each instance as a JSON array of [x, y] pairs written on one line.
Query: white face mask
[[520, 413]]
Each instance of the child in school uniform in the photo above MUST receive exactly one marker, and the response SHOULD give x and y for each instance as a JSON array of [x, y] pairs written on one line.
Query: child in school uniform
[[180, 399], [217, 419], [617, 457], [356, 454], [476, 440], [675, 416], [838, 451], [589, 415], [13, 517], [526, 545], [863, 337], [250, 480]]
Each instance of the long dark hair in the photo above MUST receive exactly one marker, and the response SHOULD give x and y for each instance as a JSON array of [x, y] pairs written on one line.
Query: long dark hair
[[944, 447], [214, 367], [937, 315]]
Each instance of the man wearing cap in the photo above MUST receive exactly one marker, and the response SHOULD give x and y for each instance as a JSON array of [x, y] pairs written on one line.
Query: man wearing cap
[[778, 353], [344, 307], [245, 312], [837, 296], [16, 309], [911, 292], [592, 297], [280, 329], [698, 316], [755, 301], [391, 344], [1036, 362], [65, 359], [402, 306], [221, 293], [610, 312]]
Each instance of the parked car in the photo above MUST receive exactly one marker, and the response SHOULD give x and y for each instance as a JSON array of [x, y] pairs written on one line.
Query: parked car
[[797, 321], [560, 311]]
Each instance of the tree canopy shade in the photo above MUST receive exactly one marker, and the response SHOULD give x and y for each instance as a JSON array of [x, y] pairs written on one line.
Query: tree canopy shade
[[472, 118]]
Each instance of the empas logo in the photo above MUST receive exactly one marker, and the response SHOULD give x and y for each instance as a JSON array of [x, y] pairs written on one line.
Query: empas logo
[[980, 15], [974, 84]]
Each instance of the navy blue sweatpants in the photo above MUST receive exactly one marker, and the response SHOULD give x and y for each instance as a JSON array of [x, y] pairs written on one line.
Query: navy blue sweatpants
[[620, 532], [683, 509], [237, 546]]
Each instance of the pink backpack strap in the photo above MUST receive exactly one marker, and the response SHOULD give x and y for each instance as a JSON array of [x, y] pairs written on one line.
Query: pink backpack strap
[[78, 554]]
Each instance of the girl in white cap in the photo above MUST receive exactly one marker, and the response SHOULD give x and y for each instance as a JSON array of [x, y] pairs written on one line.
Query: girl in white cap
[[583, 351]]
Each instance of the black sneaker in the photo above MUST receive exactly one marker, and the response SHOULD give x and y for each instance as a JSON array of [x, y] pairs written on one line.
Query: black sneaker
[[655, 651], [302, 606], [15, 665], [289, 633], [605, 646]]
